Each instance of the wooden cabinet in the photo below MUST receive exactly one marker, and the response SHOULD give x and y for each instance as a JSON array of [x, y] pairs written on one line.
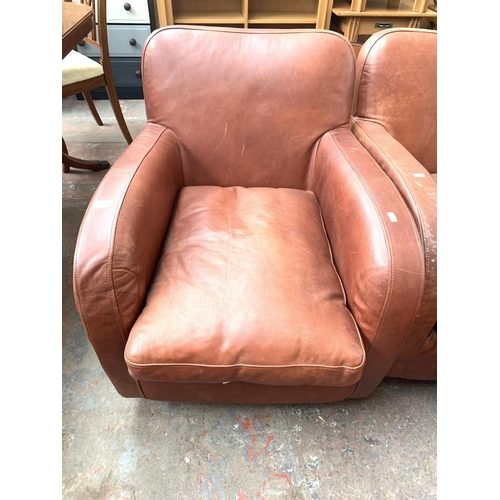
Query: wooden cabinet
[[243, 13], [366, 17]]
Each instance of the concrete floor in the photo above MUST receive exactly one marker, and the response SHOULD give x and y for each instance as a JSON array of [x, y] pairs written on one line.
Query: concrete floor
[[381, 447]]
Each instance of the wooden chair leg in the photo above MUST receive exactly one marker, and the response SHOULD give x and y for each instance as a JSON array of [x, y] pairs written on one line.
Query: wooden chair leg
[[94, 165], [65, 168], [91, 105], [71, 161], [115, 104]]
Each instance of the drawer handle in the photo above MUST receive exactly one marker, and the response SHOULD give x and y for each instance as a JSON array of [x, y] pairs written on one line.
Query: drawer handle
[[383, 25], [127, 6], [81, 43], [138, 73], [132, 42]]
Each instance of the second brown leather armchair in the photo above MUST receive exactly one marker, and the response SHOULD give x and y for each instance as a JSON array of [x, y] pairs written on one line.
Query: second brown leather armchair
[[395, 118], [246, 247]]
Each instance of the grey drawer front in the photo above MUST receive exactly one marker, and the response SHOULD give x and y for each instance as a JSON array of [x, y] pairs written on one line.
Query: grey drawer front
[[88, 50], [119, 37], [124, 71]]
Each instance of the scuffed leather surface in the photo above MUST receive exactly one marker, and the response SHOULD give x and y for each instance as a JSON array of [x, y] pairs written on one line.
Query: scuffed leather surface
[[396, 121], [421, 364], [396, 86], [419, 190], [119, 243], [246, 291], [379, 259], [247, 105]]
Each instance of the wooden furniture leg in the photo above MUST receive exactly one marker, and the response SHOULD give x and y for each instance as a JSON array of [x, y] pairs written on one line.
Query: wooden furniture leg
[[352, 28], [115, 104], [70, 161], [91, 105], [414, 22]]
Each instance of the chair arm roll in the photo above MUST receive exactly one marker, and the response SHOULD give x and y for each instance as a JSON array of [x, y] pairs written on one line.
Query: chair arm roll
[[413, 181], [419, 190], [375, 247], [119, 243]]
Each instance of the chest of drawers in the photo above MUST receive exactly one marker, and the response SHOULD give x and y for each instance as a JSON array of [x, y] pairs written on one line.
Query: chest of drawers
[[129, 24]]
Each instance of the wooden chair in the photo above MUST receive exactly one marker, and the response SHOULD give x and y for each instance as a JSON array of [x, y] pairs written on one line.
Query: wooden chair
[[80, 74]]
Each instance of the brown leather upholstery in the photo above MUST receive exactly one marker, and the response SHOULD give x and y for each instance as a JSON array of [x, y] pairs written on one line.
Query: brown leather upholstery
[[246, 247], [395, 118], [216, 257]]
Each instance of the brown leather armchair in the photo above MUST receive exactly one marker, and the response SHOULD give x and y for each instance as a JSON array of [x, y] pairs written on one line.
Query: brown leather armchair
[[246, 247], [395, 118]]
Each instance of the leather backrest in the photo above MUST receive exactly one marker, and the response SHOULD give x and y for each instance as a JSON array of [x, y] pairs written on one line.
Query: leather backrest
[[396, 86], [247, 105]]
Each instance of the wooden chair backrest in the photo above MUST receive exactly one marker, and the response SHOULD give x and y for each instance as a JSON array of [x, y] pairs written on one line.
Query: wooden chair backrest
[[100, 41]]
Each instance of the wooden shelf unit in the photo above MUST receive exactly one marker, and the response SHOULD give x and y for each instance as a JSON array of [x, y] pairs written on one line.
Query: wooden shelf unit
[[209, 17], [244, 13], [282, 18], [366, 17]]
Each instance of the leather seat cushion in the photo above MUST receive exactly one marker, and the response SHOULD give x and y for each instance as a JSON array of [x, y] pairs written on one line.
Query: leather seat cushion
[[246, 290]]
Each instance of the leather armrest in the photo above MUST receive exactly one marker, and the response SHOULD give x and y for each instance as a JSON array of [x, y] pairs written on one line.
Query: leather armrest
[[375, 247], [414, 182], [119, 243], [419, 190]]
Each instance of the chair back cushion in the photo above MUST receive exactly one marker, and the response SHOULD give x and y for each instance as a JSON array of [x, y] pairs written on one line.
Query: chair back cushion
[[247, 105], [396, 86]]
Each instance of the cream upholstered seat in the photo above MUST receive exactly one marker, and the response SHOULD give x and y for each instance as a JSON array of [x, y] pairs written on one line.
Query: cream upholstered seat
[[77, 68]]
